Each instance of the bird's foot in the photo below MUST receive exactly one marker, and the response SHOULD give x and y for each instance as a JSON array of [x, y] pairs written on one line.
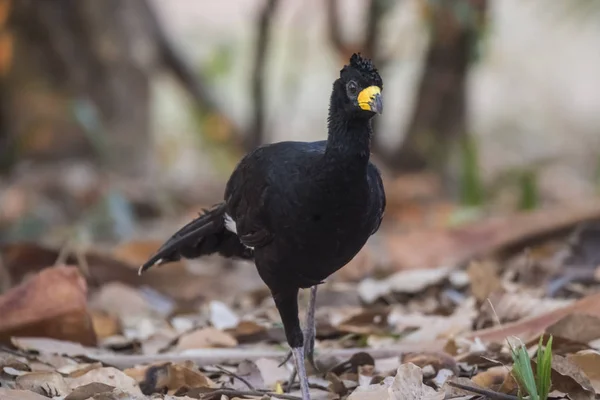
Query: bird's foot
[[309, 356], [298, 354], [287, 358], [309, 353]]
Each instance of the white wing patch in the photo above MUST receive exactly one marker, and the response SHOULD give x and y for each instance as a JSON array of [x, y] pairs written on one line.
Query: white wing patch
[[230, 224], [232, 227]]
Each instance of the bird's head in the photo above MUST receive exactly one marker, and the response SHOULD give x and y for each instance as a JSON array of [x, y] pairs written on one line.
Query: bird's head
[[358, 90]]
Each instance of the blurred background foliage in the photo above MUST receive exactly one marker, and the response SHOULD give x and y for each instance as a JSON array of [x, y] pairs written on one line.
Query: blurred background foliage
[[118, 117]]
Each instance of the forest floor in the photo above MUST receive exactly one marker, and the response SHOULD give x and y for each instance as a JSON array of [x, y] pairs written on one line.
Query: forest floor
[[418, 311]]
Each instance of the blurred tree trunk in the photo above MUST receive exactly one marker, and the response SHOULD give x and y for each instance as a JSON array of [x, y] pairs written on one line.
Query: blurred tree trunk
[[6, 44], [438, 121], [256, 134], [80, 82], [368, 45], [98, 55]]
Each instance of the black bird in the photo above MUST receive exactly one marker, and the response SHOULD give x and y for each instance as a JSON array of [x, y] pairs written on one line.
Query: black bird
[[300, 210]]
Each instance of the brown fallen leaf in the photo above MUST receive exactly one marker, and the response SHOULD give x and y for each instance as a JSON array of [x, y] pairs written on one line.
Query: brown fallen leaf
[[510, 385], [530, 328], [353, 363], [437, 360], [205, 338], [568, 378], [491, 379], [366, 321], [247, 331], [39, 366], [51, 362], [186, 375], [109, 376], [86, 391], [138, 372], [456, 246], [582, 328], [589, 362], [514, 306], [118, 394], [75, 371], [170, 378], [560, 345], [336, 385], [51, 304], [9, 394], [44, 383]]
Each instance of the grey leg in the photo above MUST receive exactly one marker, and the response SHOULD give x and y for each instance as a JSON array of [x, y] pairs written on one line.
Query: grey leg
[[298, 354], [309, 337], [310, 329]]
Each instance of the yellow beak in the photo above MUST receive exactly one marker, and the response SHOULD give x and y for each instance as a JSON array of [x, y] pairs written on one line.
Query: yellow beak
[[370, 99]]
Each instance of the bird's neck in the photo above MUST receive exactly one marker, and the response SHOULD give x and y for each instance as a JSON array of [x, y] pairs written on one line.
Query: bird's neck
[[349, 140]]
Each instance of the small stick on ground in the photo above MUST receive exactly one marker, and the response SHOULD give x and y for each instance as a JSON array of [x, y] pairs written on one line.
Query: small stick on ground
[[208, 357], [489, 393], [235, 376], [232, 392]]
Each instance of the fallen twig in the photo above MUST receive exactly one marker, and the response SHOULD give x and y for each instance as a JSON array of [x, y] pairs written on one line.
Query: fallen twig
[[489, 393], [232, 392], [235, 376], [207, 357]]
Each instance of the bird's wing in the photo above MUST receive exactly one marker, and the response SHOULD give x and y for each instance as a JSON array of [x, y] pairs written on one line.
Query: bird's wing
[[245, 196], [259, 184], [377, 194]]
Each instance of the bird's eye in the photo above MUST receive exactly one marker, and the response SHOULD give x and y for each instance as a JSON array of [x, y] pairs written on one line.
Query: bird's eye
[[352, 88]]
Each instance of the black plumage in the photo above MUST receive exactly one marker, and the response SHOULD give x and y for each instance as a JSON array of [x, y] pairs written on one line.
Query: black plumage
[[300, 210]]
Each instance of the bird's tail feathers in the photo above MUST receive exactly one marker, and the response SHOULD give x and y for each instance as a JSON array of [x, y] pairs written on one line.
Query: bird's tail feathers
[[197, 238]]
